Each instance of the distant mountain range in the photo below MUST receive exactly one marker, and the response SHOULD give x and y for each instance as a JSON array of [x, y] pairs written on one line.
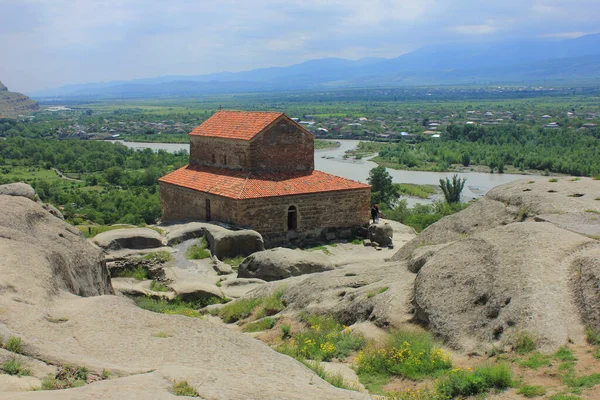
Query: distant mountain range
[[13, 104], [511, 62]]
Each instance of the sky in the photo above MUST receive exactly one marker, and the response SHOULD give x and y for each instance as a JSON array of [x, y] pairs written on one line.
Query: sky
[[49, 43]]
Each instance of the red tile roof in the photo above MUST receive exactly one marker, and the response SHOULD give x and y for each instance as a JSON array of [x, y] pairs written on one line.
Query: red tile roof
[[242, 125], [237, 184]]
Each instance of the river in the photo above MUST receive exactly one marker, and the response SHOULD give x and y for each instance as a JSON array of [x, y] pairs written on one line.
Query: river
[[332, 162]]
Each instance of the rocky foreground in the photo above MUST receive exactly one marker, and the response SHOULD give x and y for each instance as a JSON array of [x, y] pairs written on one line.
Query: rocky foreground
[[525, 258]]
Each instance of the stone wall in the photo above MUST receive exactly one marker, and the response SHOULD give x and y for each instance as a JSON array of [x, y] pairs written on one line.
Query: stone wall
[[317, 213], [283, 147], [219, 152], [182, 204]]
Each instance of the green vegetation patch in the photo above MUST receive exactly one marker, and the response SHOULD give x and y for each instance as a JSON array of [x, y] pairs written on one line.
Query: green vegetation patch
[[235, 261], [323, 339], [67, 376], [183, 388], [336, 380], [158, 287], [524, 343], [412, 355], [411, 189], [463, 383], [179, 307], [260, 325], [532, 391], [536, 361], [14, 366], [161, 256], [565, 354], [578, 383], [139, 273], [198, 251], [14, 344], [243, 308]]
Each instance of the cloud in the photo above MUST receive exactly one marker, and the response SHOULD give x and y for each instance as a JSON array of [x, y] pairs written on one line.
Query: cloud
[[55, 42]]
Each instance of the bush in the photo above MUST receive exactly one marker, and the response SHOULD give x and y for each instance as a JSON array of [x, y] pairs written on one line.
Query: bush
[[67, 376], [261, 325], [524, 343], [452, 189], [323, 340], [592, 336], [139, 273], [14, 344], [198, 251], [462, 383], [239, 309], [183, 388], [412, 355], [15, 366]]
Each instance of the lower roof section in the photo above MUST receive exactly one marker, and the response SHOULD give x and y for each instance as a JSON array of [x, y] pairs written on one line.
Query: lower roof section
[[239, 184]]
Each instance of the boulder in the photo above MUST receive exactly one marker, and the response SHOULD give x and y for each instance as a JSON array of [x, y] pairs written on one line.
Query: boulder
[[381, 234], [53, 210], [194, 291], [239, 287], [281, 263], [485, 289], [134, 238], [515, 202], [18, 189], [181, 232], [421, 254], [42, 255], [225, 243], [222, 268]]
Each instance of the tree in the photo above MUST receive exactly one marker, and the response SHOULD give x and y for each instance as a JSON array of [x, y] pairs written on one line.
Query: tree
[[384, 191], [452, 189]]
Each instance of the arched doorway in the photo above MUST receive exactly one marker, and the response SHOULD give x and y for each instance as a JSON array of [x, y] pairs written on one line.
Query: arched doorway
[[292, 218]]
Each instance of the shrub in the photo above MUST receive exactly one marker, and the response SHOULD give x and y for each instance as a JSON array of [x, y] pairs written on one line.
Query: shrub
[[412, 355], [67, 376], [239, 309], [285, 331], [14, 344], [198, 251], [524, 343], [261, 325], [532, 391], [183, 388], [272, 304], [462, 383], [592, 336], [158, 287], [139, 273], [324, 339], [15, 366], [553, 180], [452, 189]]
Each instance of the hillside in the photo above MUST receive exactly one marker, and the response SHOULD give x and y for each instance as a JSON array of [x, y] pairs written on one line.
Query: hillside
[[13, 104], [508, 62]]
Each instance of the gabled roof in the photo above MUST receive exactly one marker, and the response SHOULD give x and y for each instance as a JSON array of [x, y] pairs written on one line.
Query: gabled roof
[[238, 184], [243, 125]]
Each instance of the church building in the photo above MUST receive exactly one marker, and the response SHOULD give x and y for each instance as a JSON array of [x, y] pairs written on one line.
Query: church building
[[255, 170]]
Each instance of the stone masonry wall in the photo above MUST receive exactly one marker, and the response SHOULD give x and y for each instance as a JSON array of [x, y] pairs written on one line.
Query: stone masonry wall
[[226, 153], [283, 147], [316, 212], [180, 204]]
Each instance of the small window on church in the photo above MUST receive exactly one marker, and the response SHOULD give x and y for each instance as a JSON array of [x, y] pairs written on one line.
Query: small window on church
[[292, 220]]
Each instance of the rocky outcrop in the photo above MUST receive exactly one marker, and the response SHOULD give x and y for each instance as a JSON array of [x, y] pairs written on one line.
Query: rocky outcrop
[[586, 280], [280, 263], [182, 232], [42, 255], [13, 104], [130, 238], [18, 189], [225, 243], [195, 291], [382, 234]]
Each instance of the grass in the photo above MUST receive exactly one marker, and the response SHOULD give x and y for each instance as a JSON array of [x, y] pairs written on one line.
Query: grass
[[139, 273], [178, 307], [234, 262], [162, 335], [321, 247], [592, 211], [412, 355], [336, 380], [463, 383], [323, 339], [592, 336], [67, 376], [243, 308], [411, 189], [161, 256], [577, 383], [536, 361], [158, 287], [15, 366], [373, 294], [565, 354], [357, 241], [564, 396], [198, 251], [285, 331], [532, 391], [89, 231], [553, 180], [524, 343], [183, 388], [14, 344], [238, 310], [260, 325]]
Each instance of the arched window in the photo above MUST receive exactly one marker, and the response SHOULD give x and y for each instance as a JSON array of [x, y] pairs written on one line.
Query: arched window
[[292, 218]]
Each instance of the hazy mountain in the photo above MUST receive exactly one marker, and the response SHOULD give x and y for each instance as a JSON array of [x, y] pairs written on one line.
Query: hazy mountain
[[13, 104], [517, 61]]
